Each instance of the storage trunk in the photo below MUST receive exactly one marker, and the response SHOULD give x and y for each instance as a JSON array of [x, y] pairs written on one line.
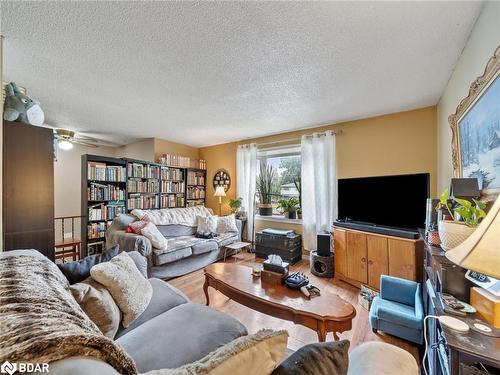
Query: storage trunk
[[289, 248]]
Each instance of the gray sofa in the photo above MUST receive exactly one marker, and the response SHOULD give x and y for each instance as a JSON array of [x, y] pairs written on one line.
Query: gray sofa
[[186, 253], [152, 340]]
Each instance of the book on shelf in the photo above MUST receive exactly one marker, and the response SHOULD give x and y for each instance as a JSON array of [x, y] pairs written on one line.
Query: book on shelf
[[195, 192], [194, 203], [101, 192], [99, 171], [196, 178], [143, 202], [105, 211], [140, 186], [168, 173], [97, 230], [172, 201], [182, 161], [172, 187]]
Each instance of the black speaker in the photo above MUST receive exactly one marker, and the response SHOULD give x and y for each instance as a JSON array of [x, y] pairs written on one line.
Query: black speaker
[[324, 245]]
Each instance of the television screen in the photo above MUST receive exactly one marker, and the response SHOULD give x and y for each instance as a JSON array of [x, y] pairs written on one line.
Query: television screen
[[394, 201]]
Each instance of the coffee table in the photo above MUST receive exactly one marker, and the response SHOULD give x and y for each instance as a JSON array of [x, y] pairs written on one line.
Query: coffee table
[[323, 314]]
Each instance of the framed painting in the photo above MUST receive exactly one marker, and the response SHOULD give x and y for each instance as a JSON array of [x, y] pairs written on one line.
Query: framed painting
[[476, 130]]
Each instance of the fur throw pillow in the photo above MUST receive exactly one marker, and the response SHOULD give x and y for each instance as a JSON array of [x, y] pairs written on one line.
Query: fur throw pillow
[[97, 303], [207, 224], [130, 290], [226, 224]]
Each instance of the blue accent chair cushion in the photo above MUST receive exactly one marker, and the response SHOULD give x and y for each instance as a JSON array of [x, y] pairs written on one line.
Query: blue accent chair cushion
[[398, 310]]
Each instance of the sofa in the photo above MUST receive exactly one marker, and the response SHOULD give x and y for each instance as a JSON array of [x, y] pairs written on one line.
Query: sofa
[[171, 332], [185, 252], [399, 309]]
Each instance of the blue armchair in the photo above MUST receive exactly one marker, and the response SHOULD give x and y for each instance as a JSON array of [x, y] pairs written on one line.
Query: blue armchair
[[398, 310]]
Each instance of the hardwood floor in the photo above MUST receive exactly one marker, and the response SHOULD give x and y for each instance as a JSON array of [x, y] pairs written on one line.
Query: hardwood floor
[[192, 286]]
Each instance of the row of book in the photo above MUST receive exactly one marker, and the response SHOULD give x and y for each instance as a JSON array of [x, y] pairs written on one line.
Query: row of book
[[171, 174], [172, 186], [102, 172], [105, 212], [143, 170], [99, 192], [139, 186], [182, 161], [195, 203], [143, 202], [172, 201], [96, 230], [195, 193], [195, 178]]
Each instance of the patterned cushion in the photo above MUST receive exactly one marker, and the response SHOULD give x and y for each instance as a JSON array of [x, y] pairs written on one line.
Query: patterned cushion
[[226, 224], [207, 224]]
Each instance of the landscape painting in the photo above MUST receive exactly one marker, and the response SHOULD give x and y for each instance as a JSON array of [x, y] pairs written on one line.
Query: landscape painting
[[479, 138]]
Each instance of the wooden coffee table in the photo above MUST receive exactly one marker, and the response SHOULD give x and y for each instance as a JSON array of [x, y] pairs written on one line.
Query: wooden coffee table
[[323, 314]]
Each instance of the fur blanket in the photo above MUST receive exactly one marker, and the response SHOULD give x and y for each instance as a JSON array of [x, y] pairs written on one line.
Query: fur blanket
[[167, 216], [42, 322]]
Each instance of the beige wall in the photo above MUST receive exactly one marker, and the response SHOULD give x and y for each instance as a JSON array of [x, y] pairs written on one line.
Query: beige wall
[[397, 143], [483, 41], [1, 144], [67, 178], [140, 150], [162, 146]]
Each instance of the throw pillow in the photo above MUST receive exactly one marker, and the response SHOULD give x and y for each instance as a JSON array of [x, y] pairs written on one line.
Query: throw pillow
[[226, 224], [97, 303], [138, 225], [157, 239], [322, 358], [253, 354], [79, 270], [206, 224], [130, 290]]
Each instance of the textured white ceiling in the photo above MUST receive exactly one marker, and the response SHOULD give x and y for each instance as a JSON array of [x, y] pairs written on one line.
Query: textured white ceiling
[[203, 73]]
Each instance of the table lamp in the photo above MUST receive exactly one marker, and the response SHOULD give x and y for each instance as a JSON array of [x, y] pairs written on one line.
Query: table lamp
[[219, 192], [481, 251]]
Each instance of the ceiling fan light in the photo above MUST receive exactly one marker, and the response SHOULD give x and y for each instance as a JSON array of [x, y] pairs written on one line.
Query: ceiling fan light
[[65, 145]]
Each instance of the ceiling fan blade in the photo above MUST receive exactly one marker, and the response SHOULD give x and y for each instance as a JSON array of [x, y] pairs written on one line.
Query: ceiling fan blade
[[83, 143]]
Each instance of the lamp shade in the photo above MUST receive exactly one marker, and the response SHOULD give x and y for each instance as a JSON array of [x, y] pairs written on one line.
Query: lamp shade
[[219, 191], [481, 251]]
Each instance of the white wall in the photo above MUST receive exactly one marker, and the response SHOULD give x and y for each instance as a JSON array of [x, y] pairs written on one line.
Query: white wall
[[67, 178], [140, 150], [483, 41]]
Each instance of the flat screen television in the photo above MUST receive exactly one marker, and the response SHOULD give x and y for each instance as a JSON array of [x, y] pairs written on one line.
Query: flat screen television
[[393, 201]]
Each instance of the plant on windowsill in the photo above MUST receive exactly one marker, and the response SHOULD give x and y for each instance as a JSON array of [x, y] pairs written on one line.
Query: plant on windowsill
[[298, 185], [265, 185], [453, 232], [289, 207]]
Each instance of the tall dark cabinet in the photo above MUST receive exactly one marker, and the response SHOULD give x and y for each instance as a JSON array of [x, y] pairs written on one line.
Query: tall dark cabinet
[[28, 188]]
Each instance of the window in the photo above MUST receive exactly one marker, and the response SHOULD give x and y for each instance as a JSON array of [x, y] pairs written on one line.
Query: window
[[286, 163]]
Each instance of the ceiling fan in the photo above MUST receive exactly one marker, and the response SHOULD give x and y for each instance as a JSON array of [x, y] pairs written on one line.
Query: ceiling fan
[[67, 138]]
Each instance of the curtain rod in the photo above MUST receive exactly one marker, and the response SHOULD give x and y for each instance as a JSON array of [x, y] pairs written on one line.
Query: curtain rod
[[338, 132]]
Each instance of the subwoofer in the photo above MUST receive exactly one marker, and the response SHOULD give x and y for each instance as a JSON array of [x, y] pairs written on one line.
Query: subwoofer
[[324, 244]]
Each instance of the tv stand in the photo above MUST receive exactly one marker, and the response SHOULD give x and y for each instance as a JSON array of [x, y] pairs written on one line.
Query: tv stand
[[361, 257], [380, 229]]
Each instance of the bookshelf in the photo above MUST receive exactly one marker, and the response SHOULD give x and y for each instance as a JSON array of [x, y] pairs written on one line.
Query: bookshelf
[[111, 186], [195, 187], [103, 198]]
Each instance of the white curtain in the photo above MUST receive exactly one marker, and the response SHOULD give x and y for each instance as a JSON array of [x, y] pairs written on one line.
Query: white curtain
[[319, 185], [246, 170]]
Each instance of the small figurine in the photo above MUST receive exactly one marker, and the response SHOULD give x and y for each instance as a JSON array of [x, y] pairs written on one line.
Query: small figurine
[[20, 107]]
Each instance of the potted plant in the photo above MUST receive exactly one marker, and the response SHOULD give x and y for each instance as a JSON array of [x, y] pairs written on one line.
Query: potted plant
[[289, 207], [453, 232], [265, 181], [235, 204], [298, 185]]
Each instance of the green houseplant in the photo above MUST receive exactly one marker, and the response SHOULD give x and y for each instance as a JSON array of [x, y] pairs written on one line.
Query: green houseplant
[[289, 207], [235, 204], [265, 187], [455, 231]]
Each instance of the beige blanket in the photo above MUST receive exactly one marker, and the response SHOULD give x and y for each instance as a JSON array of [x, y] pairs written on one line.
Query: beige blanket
[[40, 321]]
